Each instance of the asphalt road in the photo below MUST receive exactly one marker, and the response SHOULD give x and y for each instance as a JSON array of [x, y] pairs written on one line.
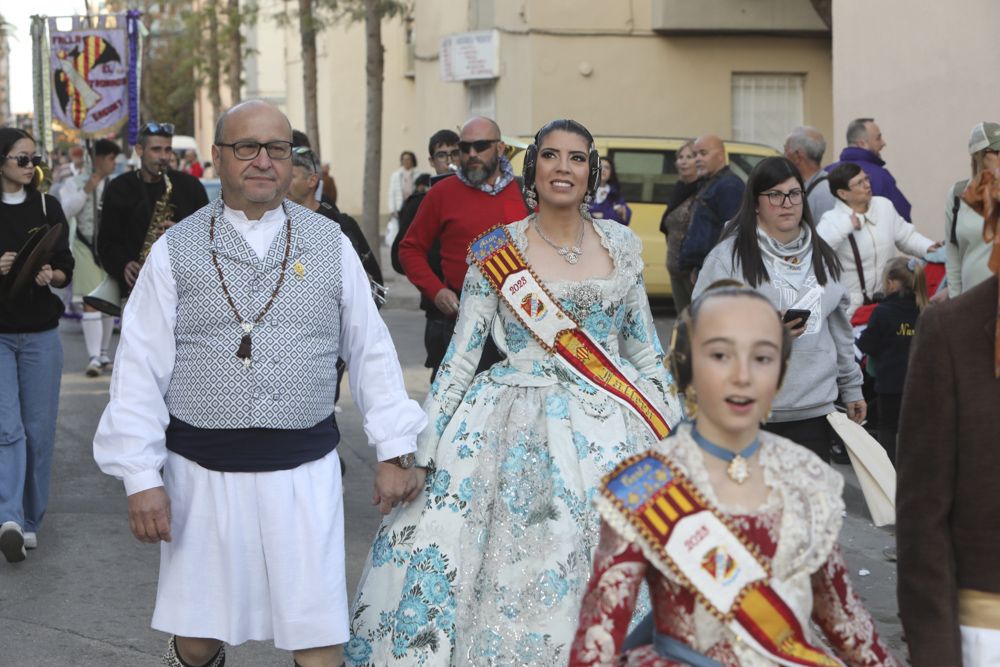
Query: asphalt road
[[85, 596]]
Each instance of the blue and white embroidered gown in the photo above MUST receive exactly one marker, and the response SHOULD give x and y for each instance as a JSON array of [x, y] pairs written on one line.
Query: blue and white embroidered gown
[[490, 567]]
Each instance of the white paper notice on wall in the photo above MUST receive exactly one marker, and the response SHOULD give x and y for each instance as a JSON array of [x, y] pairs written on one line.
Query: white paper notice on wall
[[467, 56]]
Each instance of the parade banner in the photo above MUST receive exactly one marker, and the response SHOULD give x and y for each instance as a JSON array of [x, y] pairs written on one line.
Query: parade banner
[[89, 73]]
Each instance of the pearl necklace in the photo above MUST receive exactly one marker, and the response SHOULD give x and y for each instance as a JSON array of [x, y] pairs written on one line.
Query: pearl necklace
[[739, 469], [569, 253]]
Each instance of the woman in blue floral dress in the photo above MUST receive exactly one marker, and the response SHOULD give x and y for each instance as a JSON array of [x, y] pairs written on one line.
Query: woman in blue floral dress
[[490, 566]]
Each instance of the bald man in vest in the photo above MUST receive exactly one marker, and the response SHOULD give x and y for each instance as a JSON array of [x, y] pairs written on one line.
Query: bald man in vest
[[221, 420]]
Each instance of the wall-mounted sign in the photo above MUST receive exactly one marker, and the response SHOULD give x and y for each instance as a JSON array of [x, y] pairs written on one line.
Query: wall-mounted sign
[[470, 55]]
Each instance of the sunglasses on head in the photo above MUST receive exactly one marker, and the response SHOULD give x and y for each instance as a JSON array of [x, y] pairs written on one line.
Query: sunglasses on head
[[157, 129], [25, 160], [480, 145]]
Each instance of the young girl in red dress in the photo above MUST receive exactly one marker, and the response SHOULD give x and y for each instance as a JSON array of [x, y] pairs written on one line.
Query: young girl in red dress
[[779, 500]]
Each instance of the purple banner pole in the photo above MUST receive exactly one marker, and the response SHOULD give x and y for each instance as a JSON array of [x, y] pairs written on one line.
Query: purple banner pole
[[132, 19]]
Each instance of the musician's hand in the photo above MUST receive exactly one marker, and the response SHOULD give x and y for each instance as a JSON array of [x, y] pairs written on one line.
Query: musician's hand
[[44, 276], [131, 273], [446, 301], [7, 261]]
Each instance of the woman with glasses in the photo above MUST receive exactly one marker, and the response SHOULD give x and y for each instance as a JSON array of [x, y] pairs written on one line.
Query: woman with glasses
[[31, 354], [488, 567], [866, 232], [772, 246]]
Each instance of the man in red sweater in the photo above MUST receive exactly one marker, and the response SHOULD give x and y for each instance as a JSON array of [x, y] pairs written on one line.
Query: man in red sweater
[[455, 211]]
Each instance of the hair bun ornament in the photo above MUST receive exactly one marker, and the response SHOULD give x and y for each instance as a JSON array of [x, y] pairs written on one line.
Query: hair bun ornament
[[914, 262]]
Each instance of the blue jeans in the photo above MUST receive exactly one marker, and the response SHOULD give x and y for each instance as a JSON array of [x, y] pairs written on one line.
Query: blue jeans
[[30, 373]]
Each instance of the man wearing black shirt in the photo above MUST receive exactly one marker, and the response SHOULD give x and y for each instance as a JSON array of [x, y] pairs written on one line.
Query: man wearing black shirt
[[130, 199], [302, 189]]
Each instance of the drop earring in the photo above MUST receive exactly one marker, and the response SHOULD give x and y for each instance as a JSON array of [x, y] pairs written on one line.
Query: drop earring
[[690, 404], [531, 198]]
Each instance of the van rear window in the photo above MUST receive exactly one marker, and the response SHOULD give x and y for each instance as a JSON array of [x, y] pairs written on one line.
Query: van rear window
[[646, 176]]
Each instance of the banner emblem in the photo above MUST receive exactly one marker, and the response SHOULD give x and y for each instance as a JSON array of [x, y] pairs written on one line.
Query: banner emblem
[[89, 76]]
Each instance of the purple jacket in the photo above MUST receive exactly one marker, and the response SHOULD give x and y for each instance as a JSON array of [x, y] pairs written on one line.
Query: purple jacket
[[883, 184]]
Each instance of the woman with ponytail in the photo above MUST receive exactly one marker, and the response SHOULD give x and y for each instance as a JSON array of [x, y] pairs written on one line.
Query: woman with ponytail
[[887, 339]]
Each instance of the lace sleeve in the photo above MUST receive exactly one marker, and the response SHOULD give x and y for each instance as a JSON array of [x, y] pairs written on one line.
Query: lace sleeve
[[842, 616], [619, 568], [476, 311], [639, 341]]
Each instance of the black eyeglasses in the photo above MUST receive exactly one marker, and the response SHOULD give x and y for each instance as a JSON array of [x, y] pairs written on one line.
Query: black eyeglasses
[[793, 197], [480, 145], [249, 150], [452, 154], [25, 160], [157, 129]]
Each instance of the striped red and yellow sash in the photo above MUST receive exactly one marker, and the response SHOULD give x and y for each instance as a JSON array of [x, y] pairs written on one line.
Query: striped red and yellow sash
[[700, 547], [555, 330]]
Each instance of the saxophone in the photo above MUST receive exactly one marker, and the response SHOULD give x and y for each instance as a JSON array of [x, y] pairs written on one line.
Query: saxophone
[[162, 212]]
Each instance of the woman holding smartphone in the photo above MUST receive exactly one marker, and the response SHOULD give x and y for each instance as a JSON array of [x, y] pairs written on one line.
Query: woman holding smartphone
[[772, 246]]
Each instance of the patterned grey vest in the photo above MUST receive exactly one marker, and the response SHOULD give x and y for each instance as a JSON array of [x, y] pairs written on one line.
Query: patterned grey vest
[[292, 379]]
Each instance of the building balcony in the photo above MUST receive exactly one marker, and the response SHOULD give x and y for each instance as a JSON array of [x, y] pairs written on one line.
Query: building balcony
[[773, 17]]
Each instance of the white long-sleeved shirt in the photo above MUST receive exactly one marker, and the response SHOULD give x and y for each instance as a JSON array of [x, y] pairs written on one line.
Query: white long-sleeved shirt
[[78, 205], [130, 442], [883, 235]]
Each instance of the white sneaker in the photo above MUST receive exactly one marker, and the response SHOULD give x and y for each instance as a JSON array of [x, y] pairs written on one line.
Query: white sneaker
[[30, 540], [106, 363], [93, 367], [12, 542]]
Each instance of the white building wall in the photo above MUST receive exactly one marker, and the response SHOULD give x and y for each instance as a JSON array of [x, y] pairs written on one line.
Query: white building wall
[[927, 72]]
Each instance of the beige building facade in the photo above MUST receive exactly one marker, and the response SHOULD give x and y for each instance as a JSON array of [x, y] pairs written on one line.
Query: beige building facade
[[660, 68], [926, 86]]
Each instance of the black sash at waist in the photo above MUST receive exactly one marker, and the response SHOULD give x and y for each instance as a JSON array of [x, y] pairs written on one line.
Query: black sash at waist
[[252, 449]]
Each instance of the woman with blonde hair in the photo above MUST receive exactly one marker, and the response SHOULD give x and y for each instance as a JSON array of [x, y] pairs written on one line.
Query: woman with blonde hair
[[676, 220], [967, 254]]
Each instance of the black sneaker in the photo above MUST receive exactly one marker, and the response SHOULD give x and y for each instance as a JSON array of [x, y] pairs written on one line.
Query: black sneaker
[[839, 455]]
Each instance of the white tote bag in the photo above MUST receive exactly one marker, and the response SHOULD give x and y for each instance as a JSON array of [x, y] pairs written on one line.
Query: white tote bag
[[871, 465]]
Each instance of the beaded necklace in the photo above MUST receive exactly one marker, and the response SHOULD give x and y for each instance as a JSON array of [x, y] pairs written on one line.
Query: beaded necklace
[[243, 351]]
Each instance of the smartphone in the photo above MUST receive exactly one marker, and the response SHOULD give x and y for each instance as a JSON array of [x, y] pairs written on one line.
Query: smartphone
[[797, 314]]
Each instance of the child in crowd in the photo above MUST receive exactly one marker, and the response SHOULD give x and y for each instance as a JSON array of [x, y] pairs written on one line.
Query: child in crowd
[[734, 528], [886, 341]]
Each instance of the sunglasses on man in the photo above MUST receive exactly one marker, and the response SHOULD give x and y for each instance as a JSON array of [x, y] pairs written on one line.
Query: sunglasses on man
[[24, 160], [152, 128], [480, 145]]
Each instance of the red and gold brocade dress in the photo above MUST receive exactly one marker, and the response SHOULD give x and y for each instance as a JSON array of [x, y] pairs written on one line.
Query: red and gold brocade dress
[[795, 531]]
